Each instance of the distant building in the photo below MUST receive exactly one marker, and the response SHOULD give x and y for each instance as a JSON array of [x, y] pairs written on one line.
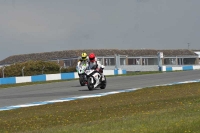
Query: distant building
[[198, 53], [130, 58]]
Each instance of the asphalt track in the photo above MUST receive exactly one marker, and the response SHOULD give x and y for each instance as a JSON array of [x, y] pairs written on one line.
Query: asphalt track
[[52, 91]]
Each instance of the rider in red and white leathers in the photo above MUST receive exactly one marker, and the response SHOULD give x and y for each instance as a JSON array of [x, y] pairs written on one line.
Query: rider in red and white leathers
[[93, 61]]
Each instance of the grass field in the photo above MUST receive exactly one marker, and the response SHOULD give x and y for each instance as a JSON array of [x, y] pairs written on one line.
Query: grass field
[[169, 109]]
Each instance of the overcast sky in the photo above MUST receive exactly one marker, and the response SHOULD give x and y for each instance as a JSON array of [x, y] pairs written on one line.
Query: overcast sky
[[33, 26]]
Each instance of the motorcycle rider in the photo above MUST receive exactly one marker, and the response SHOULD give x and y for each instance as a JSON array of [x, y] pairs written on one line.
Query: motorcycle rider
[[82, 61], [93, 62]]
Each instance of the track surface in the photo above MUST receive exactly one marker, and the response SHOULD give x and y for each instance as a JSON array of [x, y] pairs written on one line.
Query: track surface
[[52, 91]]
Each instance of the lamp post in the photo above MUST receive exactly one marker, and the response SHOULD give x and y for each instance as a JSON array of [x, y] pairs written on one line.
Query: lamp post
[[3, 71], [60, 68], [43, 69], [188, 45], [23, 71]]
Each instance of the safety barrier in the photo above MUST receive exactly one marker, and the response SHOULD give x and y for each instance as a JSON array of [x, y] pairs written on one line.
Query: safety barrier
[[179, 68], [49, 77]]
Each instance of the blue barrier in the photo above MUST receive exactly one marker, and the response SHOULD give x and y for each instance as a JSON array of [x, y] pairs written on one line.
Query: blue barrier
[[187, 67], [38, 78], [168, 68], [180, 68], [65, 76], [44, 77], [123, 71], [10, 80], [115, 72]]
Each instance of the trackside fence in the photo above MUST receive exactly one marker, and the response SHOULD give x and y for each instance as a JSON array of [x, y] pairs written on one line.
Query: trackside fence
[[179, 68], [50, 77]]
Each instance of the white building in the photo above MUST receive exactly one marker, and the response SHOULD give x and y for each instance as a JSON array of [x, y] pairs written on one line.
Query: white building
[[198, 52]]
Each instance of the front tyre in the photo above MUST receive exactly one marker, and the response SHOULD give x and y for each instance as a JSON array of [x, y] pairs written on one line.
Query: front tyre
[[81, 80], [90, 85], [103, 83]]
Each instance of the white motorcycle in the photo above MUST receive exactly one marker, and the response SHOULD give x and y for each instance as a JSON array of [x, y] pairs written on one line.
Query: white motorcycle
[[82, 75], [95, 79]]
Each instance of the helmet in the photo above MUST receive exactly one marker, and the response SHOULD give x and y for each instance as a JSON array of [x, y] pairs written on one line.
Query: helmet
[[92, 57], [84, 56]]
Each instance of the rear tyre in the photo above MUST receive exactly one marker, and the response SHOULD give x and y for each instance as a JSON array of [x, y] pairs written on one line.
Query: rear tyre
[[103, 83]]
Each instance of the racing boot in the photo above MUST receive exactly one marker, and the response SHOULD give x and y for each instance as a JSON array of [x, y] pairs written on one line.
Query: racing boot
[[103, 78]]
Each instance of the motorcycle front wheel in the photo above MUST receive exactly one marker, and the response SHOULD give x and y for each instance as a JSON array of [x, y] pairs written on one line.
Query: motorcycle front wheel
[[81, 80], [90, 85]]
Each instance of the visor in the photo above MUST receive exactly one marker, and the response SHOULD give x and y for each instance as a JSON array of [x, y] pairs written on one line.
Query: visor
[[84, 58], [92, 59]]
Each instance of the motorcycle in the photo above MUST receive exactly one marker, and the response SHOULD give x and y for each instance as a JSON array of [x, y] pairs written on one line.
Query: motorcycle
[[82, 75], [95, 79]]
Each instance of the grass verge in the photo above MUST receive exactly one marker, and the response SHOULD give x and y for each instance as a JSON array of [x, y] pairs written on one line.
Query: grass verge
[[150, 110]]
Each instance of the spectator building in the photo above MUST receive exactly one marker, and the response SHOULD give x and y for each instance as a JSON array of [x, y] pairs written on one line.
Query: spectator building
[[198, 53], [127, 59]]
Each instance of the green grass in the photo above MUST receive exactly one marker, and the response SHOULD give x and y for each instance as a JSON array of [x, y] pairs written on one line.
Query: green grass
[[141, 73], [167, 109], [53, 81]]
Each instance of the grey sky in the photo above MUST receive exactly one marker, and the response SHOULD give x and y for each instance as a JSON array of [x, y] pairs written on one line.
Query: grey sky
[[32, 26]]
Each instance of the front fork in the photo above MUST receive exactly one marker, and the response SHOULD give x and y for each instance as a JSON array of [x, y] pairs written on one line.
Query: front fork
[[91, 80]]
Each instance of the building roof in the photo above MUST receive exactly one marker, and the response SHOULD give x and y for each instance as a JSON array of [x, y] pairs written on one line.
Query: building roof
[[99, 52]]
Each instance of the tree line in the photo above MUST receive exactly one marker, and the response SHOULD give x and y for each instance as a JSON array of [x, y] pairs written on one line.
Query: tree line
[[31, 68]]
